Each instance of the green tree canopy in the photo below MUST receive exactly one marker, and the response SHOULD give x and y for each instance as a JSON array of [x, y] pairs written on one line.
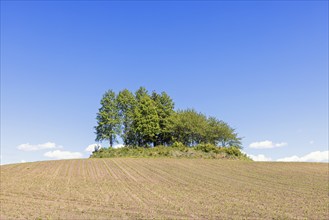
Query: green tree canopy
[[221, 134], [189, 127], [126, 104], [108, 120], [147, 120], [165, 109]]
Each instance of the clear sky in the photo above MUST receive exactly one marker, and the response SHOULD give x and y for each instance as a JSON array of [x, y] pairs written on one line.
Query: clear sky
[[260, 66]]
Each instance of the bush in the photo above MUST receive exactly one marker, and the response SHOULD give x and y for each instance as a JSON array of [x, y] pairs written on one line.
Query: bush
[[178, 150], [207, 148], [179, 146], [233, 151]]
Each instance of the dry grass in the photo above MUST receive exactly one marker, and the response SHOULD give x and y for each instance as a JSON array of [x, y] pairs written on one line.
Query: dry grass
[[164, 188]]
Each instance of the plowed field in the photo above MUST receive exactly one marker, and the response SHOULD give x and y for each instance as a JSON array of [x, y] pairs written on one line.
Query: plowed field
[[163, 189]]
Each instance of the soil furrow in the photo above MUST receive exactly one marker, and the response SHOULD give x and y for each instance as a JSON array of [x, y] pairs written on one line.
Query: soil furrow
[[136, 188]]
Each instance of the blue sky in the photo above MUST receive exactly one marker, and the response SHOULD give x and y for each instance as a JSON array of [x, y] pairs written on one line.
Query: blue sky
[[260, 66]]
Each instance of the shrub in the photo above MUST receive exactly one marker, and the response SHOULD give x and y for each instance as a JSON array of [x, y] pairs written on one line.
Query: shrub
[[178, 150], [233, 151], [178, 145], [207, 148]]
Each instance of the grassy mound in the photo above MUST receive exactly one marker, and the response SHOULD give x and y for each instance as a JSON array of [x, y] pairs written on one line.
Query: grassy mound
[[177, 150]]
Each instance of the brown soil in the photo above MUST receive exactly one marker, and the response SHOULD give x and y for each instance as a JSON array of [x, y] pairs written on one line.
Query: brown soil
[[127, 188]]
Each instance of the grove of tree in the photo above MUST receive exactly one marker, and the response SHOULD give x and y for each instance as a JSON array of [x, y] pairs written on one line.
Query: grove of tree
[[141, 119]]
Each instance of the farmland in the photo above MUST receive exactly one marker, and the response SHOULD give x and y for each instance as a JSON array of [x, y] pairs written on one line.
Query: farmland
[[163, 188]]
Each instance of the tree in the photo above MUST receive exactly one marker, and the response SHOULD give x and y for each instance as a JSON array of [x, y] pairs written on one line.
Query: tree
[[146, 121], [221, 134], [126, 104], [108, 120], [228, 137], [189, 127], [165, 108], [214, 130], [140, 93]]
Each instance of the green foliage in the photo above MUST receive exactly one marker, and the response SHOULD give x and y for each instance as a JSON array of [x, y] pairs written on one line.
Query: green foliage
[[189, 127], [165, 109], [221, 134], [234, 151], [140, 93], [126, 104], [193, 128], [143, 120], [146, 121], [177, 150], [207, 148], [108, 120], [180, 146]]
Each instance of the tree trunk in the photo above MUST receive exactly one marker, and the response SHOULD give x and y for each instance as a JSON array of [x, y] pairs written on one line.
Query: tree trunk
[[111, 141]]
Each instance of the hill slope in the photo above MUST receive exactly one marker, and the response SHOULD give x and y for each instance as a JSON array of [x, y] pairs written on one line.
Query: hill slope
[[163, 188]]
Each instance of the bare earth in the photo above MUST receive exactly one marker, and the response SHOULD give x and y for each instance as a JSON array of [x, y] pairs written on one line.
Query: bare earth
[[164, 189]]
